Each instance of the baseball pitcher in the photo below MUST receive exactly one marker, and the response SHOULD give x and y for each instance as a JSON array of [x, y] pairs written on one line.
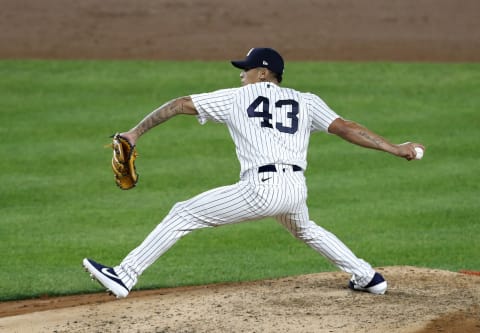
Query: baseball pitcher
[[271, 127]]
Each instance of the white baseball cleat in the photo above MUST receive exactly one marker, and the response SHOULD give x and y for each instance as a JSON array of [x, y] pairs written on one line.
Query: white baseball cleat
[[107, 277], [377, 285]]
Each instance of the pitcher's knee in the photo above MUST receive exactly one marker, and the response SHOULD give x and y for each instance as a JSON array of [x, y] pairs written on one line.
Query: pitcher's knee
[[195, 220], [181, 210], [310, 232]]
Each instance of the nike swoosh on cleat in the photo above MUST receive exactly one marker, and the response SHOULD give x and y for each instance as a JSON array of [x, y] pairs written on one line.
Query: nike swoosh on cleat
[[106, 272]]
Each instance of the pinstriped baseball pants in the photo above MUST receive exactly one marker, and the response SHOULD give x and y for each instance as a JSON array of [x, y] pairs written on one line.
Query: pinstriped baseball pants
[[281, 195]]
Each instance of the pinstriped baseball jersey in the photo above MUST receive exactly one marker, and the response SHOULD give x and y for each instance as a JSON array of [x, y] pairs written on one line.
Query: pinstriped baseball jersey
[[268, 123]]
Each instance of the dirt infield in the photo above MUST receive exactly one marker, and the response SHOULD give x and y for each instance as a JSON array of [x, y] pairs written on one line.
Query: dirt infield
[[405, 30], [419, 300]]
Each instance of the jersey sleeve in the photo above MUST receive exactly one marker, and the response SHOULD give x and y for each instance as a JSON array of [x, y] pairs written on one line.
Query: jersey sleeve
[[322, 115], [215, 106]]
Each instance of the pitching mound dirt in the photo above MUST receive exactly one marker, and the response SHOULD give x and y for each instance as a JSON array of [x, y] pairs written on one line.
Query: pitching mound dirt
[[418, 300]]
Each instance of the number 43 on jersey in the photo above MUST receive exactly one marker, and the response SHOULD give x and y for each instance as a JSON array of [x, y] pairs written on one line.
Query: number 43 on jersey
[[261, 108]]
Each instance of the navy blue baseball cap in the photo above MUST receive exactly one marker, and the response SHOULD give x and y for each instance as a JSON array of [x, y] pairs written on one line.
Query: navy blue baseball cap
[[262, 57]]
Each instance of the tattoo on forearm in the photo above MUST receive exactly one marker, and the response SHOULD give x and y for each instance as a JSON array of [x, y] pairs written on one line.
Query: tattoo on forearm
[[375, 140], [161, 114]]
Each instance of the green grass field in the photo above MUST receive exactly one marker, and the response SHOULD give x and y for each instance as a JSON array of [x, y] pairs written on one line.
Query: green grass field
[[59, 204]]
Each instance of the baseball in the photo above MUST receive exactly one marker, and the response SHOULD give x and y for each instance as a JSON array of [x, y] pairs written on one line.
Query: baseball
[[419, 154]]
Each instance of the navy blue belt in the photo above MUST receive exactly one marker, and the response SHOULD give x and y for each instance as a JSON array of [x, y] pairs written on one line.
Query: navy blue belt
[[273, 168]]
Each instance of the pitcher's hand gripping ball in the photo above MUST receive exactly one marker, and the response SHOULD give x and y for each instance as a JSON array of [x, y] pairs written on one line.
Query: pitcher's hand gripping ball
[[419, 153], [123, 162]]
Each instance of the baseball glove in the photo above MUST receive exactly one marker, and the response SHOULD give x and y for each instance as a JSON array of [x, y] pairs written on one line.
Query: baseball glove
[[123, 162]]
